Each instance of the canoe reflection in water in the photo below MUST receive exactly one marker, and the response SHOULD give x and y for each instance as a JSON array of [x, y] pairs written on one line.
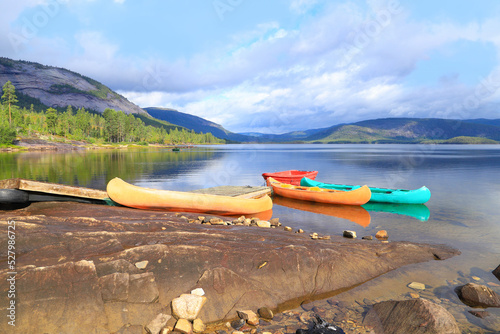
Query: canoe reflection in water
[[357, 214], [354, 213]]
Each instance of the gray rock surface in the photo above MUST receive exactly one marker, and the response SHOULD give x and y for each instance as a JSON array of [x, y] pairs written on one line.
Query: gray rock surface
[[58, 87]]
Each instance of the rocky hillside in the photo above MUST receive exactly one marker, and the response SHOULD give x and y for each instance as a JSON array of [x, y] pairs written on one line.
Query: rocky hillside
[[58, 87]]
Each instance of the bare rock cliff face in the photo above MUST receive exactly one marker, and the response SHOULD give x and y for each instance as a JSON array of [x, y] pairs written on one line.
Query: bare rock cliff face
[[57, 87]]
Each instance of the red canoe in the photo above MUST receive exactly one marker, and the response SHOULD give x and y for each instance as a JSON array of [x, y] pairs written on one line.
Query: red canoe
[[291, 176]]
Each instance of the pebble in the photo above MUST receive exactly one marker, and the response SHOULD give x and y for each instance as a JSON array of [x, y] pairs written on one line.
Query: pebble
[[300, 230], [416, 286], [266, 313], [288, 228], [198, 292], [475, 278], [349, 234], [198, 326], [263, 223], [382, 234], [367, 237], [142, 264], [183, 326]]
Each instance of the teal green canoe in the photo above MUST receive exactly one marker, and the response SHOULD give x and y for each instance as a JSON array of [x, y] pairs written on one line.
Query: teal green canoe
[[379, 195]]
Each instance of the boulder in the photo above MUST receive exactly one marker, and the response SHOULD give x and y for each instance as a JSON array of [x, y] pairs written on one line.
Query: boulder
[[411, 316], [188, 306], [477, 295], [496, 272]]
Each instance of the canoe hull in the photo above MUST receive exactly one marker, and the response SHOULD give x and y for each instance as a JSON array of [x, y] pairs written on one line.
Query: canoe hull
[[379, 195], [358, 196], [291, 176], [152, 199]]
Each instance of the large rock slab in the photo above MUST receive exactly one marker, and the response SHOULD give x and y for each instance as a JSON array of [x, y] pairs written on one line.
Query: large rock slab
[[238, 267], [417, 316]]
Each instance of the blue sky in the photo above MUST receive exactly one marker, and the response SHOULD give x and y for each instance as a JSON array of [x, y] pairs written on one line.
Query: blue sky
[[273, 66]]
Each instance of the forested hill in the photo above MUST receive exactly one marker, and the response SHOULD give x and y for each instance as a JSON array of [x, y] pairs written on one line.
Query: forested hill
[[411, 130], [196, 123], [48, 86]]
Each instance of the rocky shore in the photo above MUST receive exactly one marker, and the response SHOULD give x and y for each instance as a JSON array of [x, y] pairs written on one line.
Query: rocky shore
[[84, 268]]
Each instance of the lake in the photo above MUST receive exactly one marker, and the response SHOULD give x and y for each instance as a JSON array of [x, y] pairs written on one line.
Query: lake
[[463, 212]]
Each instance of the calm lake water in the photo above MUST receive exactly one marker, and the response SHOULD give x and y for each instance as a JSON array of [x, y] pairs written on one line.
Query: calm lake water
[[463, 212]]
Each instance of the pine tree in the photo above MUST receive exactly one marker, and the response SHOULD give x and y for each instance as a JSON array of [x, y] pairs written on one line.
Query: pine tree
[[9, 97]]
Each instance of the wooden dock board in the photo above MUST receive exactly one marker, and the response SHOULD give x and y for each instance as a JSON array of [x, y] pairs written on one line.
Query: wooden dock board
[[236, 191], [53, 188]]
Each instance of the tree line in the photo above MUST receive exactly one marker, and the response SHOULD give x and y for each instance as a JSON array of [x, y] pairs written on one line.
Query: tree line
[[111, 126]]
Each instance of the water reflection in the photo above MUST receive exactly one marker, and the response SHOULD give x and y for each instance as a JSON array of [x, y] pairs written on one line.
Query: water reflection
[[353, 213], [418, 211], [94, 169]]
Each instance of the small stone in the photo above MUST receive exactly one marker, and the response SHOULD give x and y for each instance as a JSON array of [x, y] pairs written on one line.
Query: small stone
[[238, 323], [142, 264], [188, 306], [325, 237], [198, 326], [266, 313], [183, 326], [493, 284], [416, 286], [198, 292], [163, 228], [367, 237], [249, 316], [275, 222], [414, 295], [263, 223], [217, 221], [201, 218], [349, 234], [288, 228], [314, 236], [300, 230], [382, 234], [475, 278], [247, 222]]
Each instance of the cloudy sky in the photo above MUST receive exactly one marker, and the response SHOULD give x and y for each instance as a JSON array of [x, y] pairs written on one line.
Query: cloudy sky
[[273, 66]]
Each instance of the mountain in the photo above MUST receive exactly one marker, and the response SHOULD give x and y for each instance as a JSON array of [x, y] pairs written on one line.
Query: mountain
[[407, 130], [196, 123], [284, 137], [49, 86]]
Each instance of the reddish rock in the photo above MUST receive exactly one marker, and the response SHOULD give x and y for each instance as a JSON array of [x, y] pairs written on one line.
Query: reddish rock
[[411, 316], [477, 295], [56, 285]]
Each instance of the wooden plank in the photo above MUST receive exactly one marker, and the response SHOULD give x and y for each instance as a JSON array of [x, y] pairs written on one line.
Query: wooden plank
[[53, 188], [236, 191]]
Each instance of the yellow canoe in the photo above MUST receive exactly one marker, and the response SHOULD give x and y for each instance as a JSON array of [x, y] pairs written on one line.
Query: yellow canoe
[[153, 199], [315, 194]]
